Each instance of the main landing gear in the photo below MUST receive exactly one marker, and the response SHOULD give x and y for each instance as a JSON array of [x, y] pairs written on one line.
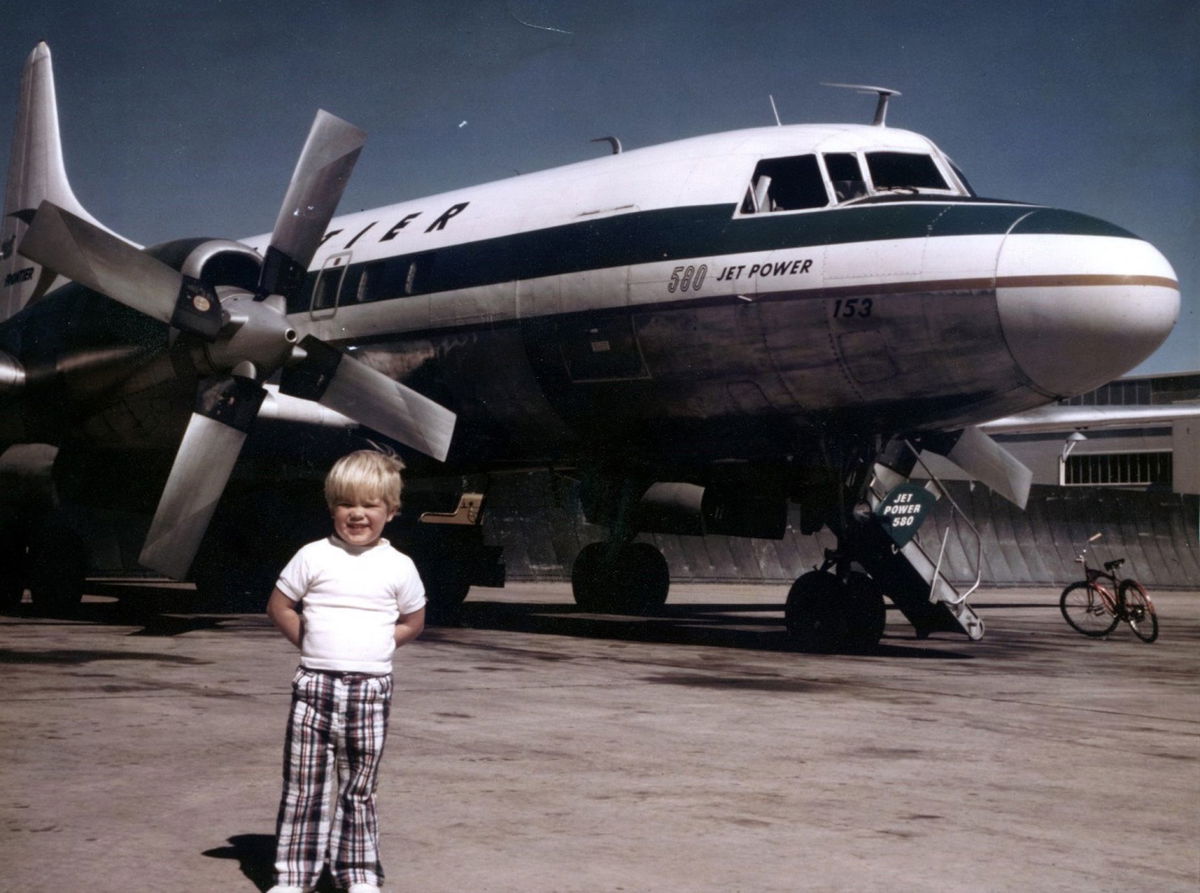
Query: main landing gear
[[827, 611], [620, 578], [837, 608]]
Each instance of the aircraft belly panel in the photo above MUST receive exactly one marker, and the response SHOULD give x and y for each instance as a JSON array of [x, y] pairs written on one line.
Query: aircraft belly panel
[[711, 362], [486, 377]]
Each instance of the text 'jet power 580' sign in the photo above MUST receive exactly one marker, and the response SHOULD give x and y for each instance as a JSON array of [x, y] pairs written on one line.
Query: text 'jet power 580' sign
[[904, 511]]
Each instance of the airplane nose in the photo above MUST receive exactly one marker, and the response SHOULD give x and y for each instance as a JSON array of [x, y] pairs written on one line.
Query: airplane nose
[[1081, 301]]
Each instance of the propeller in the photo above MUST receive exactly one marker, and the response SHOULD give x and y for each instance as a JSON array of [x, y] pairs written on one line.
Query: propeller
[[225, 409], [248, 334], [321, 175], [86, 254]]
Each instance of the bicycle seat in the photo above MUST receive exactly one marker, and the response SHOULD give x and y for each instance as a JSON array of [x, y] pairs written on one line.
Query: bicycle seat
[[1114, 564]]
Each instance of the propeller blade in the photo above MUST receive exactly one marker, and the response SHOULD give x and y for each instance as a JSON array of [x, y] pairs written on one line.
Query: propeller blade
[[95, 258], [989, 463], [225, 409], [354, 389], [317, 184]]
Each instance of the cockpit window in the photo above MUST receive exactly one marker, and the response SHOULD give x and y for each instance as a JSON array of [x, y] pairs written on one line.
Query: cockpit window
[[845, 174], [904, 170], [785, 184]]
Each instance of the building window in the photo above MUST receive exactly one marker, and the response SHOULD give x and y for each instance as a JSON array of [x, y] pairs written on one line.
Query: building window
[[1118, 469]]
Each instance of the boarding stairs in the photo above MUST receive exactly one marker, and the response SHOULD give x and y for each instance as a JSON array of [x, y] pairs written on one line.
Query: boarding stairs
[[913, 579]]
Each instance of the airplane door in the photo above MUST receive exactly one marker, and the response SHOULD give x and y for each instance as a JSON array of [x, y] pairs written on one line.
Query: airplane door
[[328, 287]]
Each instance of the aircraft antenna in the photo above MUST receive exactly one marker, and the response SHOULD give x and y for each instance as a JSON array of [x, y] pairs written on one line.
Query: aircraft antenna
[[778, 123], [884, 94], [612, 141]]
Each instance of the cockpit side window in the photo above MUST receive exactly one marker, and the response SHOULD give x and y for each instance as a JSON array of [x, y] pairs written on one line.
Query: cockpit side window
[[845, 174], [904, 170], [785, 184]]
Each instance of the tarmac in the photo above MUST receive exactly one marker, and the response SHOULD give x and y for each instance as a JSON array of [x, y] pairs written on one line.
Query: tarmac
[[537, 748]]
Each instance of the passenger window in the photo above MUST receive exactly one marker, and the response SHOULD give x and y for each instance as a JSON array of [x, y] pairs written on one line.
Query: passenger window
[[845, 174], [904, 170], [383, 280], [785, 184]]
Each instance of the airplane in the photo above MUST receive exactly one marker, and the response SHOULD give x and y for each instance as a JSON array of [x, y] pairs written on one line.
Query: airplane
[[699, 334]]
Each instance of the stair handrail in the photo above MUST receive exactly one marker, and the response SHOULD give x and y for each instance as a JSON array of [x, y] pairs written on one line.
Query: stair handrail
[[978, 537]]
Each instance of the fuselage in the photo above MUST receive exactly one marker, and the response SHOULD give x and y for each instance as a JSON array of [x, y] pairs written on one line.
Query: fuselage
[[670, 294], [723, 297]]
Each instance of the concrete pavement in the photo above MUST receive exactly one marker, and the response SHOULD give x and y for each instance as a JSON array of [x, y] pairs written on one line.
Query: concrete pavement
[[537, 748]]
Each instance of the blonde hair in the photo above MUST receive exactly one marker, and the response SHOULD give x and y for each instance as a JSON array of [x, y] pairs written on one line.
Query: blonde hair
[[365, 473]]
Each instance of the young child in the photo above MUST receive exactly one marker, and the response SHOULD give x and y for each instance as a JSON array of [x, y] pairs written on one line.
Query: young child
[[347, 602]]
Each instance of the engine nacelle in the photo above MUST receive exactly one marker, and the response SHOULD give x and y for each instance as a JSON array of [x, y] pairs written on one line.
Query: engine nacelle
[[689, 509], [215, 261]]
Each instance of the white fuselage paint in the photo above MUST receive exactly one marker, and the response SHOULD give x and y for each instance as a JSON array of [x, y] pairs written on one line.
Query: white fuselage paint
[[939, 326]]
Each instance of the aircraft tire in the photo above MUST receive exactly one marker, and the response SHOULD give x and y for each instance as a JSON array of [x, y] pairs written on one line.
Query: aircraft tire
[[816, 614], [866, 613], [620, 578], [587, 583]]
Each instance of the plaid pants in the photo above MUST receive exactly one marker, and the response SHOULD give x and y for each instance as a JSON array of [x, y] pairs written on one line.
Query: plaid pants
[[336, 719]]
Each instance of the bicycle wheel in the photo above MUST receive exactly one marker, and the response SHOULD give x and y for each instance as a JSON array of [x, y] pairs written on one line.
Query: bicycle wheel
[[1084, 608], [1139, 610]]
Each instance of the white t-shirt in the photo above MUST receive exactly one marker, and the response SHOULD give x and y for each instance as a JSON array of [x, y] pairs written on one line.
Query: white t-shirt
[[351, 598]]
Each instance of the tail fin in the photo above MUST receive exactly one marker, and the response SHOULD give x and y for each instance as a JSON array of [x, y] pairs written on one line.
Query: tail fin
[[36, 173]]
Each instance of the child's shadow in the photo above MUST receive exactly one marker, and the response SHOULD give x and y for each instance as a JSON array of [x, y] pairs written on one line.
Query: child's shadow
[[255, 854]]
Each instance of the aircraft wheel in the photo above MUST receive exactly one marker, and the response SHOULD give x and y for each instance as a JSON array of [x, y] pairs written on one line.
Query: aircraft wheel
[[866, 613], [587, 583], [620, 578], [815, 614], [57, 569]]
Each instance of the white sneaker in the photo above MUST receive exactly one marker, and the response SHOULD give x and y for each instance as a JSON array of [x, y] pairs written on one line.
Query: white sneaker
[[363, 888], [281, 888]]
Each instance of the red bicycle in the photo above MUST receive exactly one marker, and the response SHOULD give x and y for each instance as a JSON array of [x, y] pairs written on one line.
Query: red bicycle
[[1095, 605]]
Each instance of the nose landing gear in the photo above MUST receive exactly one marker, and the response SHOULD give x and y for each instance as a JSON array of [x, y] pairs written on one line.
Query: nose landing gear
[[829, 612]]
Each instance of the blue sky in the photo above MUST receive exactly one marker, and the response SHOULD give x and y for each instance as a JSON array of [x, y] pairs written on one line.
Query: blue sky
[[186, 118]]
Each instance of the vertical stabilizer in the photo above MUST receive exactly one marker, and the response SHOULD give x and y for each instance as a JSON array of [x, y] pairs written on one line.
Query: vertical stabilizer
[[36, 173]]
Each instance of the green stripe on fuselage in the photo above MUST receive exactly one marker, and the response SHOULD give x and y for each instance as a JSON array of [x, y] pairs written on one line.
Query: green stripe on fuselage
[[695, 232]]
